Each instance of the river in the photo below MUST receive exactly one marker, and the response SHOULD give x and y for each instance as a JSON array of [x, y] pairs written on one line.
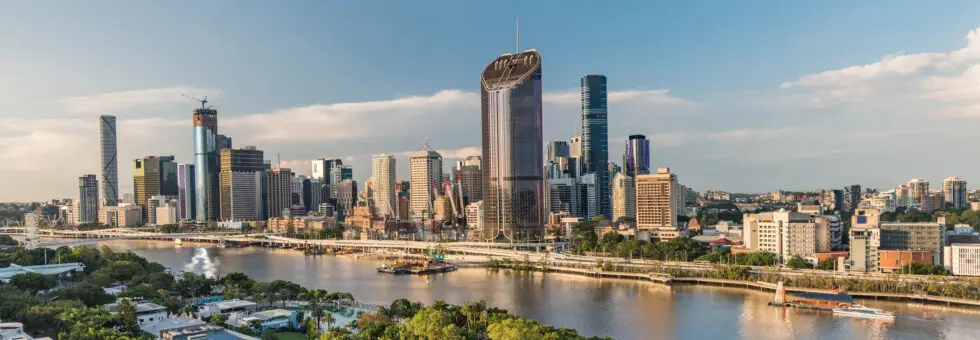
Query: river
[[622, 309]]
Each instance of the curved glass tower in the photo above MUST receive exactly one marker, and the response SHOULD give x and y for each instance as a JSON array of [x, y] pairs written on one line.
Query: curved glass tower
[[205, 164], [110, 168], [512, 148], [636, 159]]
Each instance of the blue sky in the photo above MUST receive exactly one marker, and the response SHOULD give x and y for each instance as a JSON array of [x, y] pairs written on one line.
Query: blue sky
[[734, 95]]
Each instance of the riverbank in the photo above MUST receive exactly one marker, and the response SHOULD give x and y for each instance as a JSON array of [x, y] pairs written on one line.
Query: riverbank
[[668, 279]]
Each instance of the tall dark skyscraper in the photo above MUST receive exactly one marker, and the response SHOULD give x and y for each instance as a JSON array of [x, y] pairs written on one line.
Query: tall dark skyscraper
[[636, 158], [595, 137], [110, 168], [513, 192], [206, 164]]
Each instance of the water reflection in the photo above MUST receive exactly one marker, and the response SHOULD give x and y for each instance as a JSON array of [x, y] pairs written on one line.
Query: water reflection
[[623, 309]]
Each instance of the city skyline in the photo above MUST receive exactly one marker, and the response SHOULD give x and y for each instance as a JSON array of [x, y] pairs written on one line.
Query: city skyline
[[51, 138]]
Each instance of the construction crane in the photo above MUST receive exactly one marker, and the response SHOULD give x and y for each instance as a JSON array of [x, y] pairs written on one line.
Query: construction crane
[[204, 102]]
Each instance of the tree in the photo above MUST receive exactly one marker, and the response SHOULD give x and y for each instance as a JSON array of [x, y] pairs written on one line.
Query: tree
[[143, 291], [828, 264], [219, 319], [516, 329], [127, 317], [798, 262], [431, 324], [33, 282], [329, 319], [86, 292]]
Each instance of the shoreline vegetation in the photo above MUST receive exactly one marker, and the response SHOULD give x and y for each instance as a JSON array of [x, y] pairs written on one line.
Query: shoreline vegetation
[[72, 307], [742, 276]]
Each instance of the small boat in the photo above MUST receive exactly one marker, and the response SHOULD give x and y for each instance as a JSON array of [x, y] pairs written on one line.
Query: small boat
[[860, 311], [178, 241]]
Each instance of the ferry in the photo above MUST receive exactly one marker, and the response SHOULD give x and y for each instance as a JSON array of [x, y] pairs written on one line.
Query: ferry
[[860, 311]]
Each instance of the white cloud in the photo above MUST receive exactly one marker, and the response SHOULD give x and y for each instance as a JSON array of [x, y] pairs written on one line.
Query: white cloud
[[120, 102], [752, 134], [654, 97]]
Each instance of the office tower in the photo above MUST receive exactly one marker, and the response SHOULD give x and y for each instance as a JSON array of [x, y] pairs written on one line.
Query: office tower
[[88, 199], [280, 191], [636, 158], [151, 208], [241, 184], [954, 192], [146, 182], [346, 198], [564, 195], [588, 187], [656, 204], [575, 147], [110, 168], [425, 171], [185, 191], [322, 169], [852, 196], [557, 148], [470, 179], [914, 236], [787, 234], [623, 197], [513, 187], [222, 142], [206, 164], [168, 176], [383, 179], [595, 136], [296, 197], [833, 200]]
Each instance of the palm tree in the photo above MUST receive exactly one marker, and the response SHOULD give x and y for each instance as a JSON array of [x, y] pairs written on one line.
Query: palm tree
[[329, 319]]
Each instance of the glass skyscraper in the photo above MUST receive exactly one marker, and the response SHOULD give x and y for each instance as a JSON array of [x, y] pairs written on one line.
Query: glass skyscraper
[[636, 159], [110, 168], [513, 192], [206, 164], [595, 137]]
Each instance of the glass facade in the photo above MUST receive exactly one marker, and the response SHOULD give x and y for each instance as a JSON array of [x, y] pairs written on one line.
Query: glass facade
[[636, 159], [512, 153], [205, 164], [595, 137], [110, 168]]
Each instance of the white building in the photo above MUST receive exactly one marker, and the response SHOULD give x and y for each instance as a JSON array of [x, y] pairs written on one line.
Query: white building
[[963, 259], [787, 234], [151, 208], [383, 181], [426, 177], [123, 215], [954, 192], [166, 215], [474, 215], [270, 319], [15, 331], [226, 307], [146, 312], [623, 197]]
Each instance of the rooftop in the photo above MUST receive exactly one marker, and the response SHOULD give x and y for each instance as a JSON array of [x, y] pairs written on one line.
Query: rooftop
[[844, 298], [47, 269], [272, 313], [170, 323], [236, 303]]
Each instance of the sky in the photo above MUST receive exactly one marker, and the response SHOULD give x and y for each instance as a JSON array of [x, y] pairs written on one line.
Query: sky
[[737, 96]]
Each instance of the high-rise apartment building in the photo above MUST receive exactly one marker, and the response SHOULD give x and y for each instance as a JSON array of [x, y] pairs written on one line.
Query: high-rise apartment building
[[954, 192], [383, 179], [425, 173], [346, 198], [595, 137], [241, 184], [88, 199], [623, 197], [636, 158], [513, 187], [657, 198], [469, 176], [185, 191], [918, 189], [110, 168], [852, 196], [206, 164]]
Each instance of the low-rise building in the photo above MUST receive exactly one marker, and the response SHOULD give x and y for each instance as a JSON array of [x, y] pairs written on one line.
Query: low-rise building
[[890, 261], [123, 215], [226, 307], [963, 259], [146, 312], [210, 332], [270, 319], [166, 325], [787, 234], [15, 331], [305, 225]]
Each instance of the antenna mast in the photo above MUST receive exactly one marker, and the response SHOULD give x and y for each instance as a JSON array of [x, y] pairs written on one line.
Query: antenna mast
[[517, 32]]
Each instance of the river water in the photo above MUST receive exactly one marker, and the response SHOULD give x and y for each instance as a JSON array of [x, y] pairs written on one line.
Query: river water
[[622, 309]]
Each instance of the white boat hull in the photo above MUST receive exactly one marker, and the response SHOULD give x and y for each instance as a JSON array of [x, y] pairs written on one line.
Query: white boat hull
[[879, 315]]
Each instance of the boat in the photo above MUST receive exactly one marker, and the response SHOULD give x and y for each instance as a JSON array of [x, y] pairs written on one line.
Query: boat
[[860, 311], [178, 241]]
